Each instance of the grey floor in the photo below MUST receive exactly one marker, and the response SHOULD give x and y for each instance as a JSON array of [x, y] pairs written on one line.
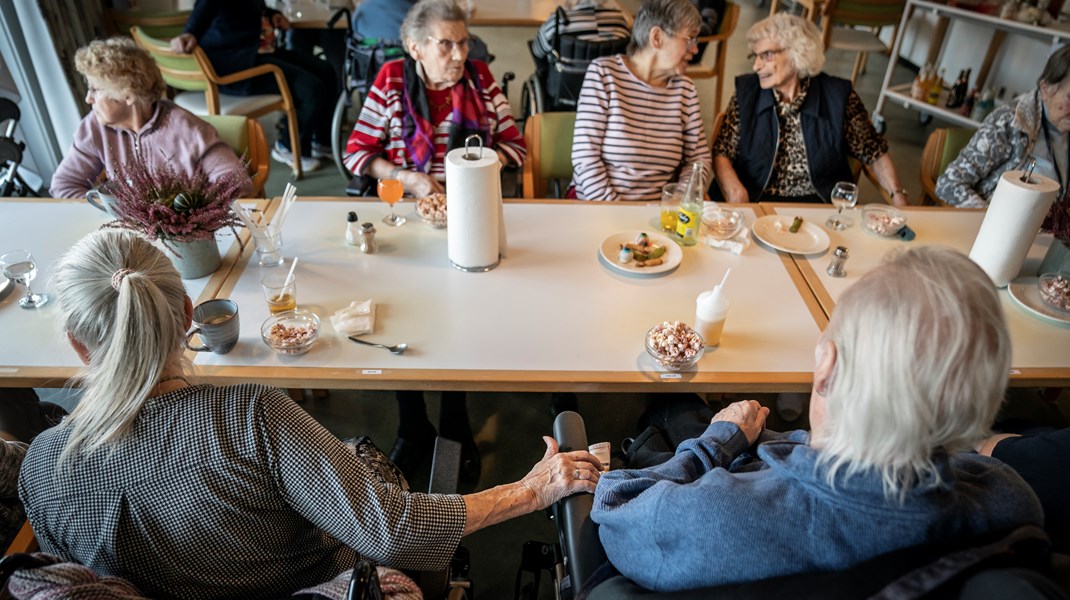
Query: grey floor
[[508, 426]]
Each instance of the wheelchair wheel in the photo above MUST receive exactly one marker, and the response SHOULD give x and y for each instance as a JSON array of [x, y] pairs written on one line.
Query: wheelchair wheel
[[346, 111], [531, 99]]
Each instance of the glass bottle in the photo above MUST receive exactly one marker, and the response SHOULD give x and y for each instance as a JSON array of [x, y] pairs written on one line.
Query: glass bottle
[[691, 208], [935, 88]]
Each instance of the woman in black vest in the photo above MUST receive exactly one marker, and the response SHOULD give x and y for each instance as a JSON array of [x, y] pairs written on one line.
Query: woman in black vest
[[790, 128]]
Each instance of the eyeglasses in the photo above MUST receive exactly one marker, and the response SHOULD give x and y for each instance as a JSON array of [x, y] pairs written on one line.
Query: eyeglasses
[[691, 41], [765, 56], [447, 46]]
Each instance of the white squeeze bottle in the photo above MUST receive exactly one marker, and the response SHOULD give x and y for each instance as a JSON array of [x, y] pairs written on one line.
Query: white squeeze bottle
[[711, 308]]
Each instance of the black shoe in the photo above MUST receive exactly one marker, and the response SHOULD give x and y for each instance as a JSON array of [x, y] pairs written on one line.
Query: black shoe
[[471, 466], [409, 454]]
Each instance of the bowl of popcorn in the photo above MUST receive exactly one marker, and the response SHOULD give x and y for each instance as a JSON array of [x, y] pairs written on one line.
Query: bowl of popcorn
[[292, 332], [674, 345], [1055, 290], [882, 220], [432, 210]]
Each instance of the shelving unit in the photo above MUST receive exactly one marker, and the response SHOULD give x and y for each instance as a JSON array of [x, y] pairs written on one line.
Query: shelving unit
[[900, 93]]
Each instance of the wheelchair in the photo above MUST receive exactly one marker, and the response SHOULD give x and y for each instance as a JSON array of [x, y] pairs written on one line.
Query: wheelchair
[[558, 78], [1016, 564], [11, 183]]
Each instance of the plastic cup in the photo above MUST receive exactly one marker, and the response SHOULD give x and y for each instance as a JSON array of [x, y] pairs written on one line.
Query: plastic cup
[[280, 291], [710, 314], [269, 249]]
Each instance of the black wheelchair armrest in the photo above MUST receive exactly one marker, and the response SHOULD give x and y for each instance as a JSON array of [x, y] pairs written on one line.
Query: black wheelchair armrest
[[579, 534]]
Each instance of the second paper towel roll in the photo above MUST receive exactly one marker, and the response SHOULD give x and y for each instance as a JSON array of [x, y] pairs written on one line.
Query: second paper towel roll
[[473, 203], [1011, 223]]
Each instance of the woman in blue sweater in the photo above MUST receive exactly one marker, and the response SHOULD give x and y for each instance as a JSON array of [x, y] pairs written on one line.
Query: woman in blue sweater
[[909, 375]]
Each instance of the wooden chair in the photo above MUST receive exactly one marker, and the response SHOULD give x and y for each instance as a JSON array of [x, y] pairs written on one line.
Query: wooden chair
[[711, 65], [194, 74], [942, 147], [246, 137], [548, 136], [843, 18], [164, 25]]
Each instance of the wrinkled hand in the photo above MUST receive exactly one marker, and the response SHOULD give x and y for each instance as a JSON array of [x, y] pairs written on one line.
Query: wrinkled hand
[[747, 414], [184, 43], [561, 474], [420, 185], [736, 193]]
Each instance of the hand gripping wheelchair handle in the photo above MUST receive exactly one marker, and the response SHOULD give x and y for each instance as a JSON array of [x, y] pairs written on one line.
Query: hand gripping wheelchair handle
[[579, 534]]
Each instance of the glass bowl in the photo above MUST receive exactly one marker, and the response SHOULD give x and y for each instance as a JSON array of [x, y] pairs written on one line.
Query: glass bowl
[[1055, 290], [882, 220], [674, 345], [721, 222], [432, 210], [292, 332]]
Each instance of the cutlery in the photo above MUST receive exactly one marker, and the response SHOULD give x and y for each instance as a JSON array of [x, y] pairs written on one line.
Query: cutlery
[[399, 349]]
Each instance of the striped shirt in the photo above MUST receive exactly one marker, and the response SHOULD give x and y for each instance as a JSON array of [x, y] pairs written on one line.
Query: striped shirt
[[587, 21], [632, 138], [378, 129]]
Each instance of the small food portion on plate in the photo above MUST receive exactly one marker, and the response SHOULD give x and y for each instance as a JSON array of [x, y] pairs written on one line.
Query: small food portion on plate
[[432, 210], [644, 252]]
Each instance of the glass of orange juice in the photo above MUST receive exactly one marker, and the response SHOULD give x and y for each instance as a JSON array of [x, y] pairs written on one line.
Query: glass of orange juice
[[390, 191]]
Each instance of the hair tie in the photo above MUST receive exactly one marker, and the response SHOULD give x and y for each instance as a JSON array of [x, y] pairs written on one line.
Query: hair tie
[[117, 278]]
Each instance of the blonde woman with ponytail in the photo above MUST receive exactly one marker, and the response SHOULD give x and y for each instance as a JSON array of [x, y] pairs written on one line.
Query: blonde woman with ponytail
[[200, 491]]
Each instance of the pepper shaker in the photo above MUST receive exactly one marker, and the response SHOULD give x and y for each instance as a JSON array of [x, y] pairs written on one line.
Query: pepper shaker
[[352, 229], [839, 257], [368, 245]]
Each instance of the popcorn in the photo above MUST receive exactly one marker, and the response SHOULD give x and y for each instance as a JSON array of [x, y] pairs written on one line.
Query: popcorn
[[675, 341]]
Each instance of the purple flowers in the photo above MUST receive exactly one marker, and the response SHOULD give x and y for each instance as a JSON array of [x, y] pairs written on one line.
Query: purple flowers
[[1058, 219]]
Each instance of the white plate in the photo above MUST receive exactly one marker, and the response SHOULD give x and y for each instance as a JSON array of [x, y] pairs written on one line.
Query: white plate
[[610, 249], [810, 239], [6, 285], [1026, 295]]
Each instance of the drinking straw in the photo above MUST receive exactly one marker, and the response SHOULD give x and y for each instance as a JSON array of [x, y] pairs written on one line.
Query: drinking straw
[[293, 267]]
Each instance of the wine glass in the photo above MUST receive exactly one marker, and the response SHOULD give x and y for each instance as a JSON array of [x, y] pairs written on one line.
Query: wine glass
[[19, 266], [844, 195], [390, 191]]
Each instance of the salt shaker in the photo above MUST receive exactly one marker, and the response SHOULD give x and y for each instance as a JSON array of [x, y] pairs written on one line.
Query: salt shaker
[[352, 229], [839, 257], [368, 245]]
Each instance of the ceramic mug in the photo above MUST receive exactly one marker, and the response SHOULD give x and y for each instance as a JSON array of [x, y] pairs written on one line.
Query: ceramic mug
[[103, 199], [216, 321]]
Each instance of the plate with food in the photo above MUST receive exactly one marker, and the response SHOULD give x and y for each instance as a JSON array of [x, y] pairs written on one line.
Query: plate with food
[[1025, 292], [790, 234], [641, 253]]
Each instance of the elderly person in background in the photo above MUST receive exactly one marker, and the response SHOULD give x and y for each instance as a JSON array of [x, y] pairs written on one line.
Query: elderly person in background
[[425, 105], [130, 118], [887, 464], [1036, 125], [588, 20], [638, 121], [790, 128], [199, 491]]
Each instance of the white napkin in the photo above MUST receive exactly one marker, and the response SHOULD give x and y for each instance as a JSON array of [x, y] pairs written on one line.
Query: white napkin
[[736, 245], [355, 319]]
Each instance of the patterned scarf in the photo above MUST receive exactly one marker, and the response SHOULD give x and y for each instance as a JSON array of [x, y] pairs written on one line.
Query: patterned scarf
[[468, 115]]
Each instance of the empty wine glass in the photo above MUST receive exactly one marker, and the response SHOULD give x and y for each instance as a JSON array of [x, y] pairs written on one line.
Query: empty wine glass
[[844, 195], [390, 191], [19, 266]]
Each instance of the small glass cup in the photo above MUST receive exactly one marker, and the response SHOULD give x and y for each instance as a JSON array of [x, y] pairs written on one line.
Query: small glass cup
[[671, 196], [269, 249], [280, 291]]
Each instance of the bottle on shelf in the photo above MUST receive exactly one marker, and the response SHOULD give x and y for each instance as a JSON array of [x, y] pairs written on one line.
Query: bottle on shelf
[[935, 88], [967, 105], [691, 208], [919, 90], [957, 93]]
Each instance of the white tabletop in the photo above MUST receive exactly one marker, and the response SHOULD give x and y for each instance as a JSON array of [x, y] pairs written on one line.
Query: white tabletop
[[33, 347], [1041, 350], [551, 316]]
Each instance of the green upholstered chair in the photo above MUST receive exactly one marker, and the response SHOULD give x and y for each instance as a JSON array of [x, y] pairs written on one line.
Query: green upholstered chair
[[246, 137], [548, 136], [942, 147]]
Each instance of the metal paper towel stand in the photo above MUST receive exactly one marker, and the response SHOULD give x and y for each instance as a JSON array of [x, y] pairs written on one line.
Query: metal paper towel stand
[[469, 155]]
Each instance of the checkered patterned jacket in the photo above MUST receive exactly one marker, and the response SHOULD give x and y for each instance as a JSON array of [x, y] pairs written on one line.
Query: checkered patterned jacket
[[228, 492]]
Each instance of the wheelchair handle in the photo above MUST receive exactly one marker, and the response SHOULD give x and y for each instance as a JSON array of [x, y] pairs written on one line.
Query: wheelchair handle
[[338, 15]]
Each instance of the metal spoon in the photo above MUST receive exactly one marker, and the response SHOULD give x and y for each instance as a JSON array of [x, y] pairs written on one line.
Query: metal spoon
[[399, 349]]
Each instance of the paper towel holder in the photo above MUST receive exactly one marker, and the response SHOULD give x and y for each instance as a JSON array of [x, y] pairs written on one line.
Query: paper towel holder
[[467, 153], [1027, 174]]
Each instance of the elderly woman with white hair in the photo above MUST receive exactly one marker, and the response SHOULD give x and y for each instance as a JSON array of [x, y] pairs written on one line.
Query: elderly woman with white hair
[[638, 119], [909, 375], [790, 128]]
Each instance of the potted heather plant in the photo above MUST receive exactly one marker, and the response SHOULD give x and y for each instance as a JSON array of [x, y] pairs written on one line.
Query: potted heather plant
[[182, 210], [1058, 223]]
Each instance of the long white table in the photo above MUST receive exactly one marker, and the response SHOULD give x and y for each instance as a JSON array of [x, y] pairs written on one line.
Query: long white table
[[1041, 350], [550, 317], [33, 347]]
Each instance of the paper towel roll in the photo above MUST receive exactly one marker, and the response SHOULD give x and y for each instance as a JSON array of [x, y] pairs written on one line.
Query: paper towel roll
[[1011, 224], [473, 203]]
